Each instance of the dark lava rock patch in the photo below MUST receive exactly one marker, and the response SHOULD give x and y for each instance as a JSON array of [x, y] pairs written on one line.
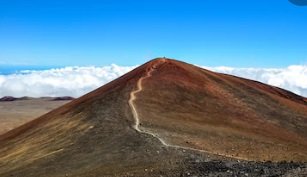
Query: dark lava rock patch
[[244, 169]]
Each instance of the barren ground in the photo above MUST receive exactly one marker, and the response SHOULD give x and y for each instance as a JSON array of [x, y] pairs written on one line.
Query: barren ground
[[16, 113]]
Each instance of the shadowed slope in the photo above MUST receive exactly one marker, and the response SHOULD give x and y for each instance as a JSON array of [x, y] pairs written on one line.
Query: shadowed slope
[[185, 106]]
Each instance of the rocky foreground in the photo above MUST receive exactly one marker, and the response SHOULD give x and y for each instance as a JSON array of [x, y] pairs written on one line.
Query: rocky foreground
[[266, 169]]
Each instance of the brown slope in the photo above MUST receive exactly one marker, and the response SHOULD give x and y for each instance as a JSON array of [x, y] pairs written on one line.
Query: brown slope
[[180, 103], [90, 135], [223, 114]]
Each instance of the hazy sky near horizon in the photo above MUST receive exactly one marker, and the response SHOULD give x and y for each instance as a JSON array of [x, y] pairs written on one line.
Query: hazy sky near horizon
[[237, 33]]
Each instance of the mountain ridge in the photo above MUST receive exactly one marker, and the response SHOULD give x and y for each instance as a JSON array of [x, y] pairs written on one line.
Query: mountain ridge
[[188, 108]]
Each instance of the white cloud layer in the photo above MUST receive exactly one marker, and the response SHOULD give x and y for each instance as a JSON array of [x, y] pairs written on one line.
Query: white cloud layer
[[76, 81], [68, 81], [292, 78]]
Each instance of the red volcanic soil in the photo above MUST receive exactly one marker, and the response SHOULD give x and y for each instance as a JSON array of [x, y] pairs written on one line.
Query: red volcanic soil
[[195, 112], [223, 114]]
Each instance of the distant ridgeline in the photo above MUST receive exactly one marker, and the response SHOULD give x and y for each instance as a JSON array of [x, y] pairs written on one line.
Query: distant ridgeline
[[10, 98]]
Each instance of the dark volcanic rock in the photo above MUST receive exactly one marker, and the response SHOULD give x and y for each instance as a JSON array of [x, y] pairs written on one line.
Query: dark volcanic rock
[[233, 168]]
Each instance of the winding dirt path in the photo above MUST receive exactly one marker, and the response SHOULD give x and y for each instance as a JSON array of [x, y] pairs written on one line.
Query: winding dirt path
[[137, 119], [133, 109]]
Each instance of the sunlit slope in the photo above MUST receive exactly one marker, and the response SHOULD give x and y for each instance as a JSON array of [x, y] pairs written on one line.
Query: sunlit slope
[[223, 114]]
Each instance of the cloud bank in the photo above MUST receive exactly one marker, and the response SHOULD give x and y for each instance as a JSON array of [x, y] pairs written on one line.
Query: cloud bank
[[67, 81], [76, 81], [292, 78]]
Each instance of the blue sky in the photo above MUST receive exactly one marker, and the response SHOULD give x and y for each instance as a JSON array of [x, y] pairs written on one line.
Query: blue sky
[[238, 33]]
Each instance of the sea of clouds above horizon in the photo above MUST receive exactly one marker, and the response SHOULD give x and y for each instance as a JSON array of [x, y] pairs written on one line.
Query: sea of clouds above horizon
[[76, 81]]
